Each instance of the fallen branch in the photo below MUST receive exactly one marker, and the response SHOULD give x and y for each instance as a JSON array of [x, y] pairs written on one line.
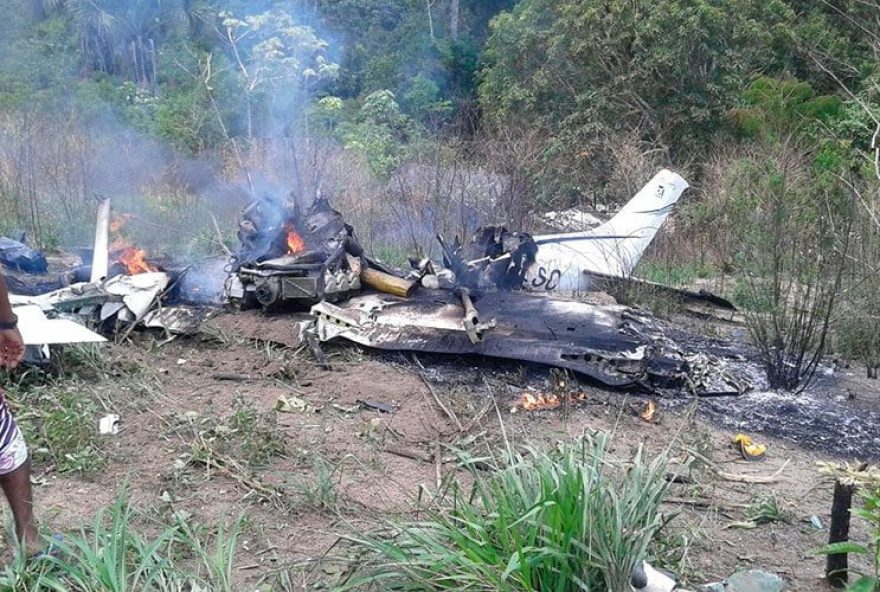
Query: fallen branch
[[234, 470], [234, 377], [410, 453], [738, 478], [436, 460], [699, 503], [219, 234], [445, 409]]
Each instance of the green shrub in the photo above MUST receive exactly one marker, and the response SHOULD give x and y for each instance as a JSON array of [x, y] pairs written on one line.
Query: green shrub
[[566, 519]]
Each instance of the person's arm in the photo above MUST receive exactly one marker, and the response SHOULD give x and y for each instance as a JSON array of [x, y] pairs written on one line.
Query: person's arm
[[11, 344]]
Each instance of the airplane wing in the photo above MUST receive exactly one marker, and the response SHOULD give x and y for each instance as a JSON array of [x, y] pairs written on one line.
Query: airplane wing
[[37, 329]]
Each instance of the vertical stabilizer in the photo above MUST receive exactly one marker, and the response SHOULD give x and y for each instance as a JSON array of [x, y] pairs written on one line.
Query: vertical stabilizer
[[613, 248], [639, 220], [101, 254]]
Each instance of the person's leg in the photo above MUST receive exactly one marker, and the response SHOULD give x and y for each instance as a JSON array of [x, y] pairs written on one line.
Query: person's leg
[[16, 486]]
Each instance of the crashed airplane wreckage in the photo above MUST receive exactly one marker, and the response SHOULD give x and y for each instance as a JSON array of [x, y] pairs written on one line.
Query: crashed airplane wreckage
[[477, 304], [118, 288]]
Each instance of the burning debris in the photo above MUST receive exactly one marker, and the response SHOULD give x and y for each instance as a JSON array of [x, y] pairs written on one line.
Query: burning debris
[[529, 401], [479, 304], [289, 258], [131, 288], [134, 260]]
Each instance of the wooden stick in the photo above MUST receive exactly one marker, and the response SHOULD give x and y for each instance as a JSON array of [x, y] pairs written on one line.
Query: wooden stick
[[738, 478], [448, 413], [752, 478], [219, 234], [701, 503], [409, 453], [234, 377], [837, 565]]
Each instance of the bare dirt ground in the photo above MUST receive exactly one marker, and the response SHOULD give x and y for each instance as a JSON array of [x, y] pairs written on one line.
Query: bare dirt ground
[[334, 468]]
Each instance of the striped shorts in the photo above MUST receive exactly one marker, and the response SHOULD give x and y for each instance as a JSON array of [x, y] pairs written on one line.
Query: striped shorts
[[13, 450]]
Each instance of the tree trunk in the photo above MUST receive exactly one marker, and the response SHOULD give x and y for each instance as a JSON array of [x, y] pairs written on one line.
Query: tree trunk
[[38, 10], [453, 19], [430, 20]]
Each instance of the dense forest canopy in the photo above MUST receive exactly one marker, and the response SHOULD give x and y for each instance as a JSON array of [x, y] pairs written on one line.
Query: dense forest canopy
[[578, 79]]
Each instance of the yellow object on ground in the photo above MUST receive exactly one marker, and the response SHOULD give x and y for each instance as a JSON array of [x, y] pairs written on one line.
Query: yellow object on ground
[[384, 282], [749, 449]]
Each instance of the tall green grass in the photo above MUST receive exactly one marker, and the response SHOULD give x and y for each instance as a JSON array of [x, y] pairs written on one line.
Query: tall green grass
[[112, 555], [563, 520]]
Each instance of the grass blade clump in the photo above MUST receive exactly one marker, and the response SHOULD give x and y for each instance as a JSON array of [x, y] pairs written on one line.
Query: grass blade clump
[[112, 557], [563, 520], [218, 557]]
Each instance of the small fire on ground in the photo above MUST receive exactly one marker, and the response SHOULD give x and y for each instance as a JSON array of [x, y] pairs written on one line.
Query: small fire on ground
[[536, 401], [649, 411], [295, 243]]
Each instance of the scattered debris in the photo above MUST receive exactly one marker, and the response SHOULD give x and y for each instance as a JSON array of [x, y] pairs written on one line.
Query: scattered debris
[[291, 259], [387, 283], [615, 345], [100, 269], [498, 258], [293, 404], [39, 330], [476, 305], [109, 424], [376, 406], [537, 401], [650, 412], [177, 320], [346, 409], [645, 578], [748, 449], [16, 255]]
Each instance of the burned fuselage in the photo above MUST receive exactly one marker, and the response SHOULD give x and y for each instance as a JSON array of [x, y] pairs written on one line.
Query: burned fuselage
[[615, 345], [289, 257]]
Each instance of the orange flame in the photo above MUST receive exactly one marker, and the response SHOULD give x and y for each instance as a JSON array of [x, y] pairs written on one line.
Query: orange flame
[[295, 243], [135, 261], [648, 413], [536, 401]]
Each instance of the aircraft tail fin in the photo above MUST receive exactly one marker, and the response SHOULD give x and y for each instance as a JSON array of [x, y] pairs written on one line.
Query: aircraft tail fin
[[635, 225]]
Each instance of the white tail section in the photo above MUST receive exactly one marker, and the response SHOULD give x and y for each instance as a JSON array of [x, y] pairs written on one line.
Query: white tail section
[[615, 247]]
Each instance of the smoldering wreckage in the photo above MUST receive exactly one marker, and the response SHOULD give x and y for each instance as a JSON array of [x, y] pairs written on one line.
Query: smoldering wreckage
[[501, 294], [498, 295]]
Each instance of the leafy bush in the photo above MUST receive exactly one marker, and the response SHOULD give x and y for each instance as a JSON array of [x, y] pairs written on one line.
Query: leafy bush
[[567, 519]]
